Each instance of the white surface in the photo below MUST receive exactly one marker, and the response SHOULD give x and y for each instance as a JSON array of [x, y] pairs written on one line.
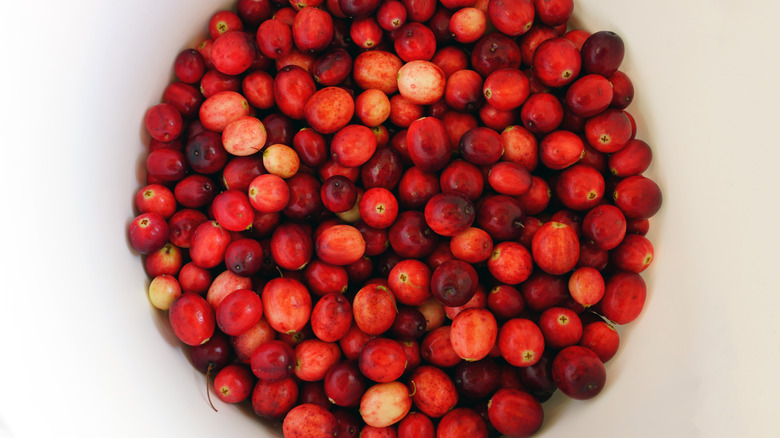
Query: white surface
[[84, 353]]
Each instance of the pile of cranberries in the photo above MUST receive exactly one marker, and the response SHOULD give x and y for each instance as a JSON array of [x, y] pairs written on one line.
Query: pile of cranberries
[[399, 218]]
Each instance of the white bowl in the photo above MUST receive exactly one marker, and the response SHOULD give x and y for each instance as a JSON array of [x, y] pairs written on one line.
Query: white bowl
[[85, 353]]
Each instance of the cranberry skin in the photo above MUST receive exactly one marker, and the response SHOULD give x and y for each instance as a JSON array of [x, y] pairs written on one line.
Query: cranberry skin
[[506, 302], [510, 263], [374, 309], [382, 360], [286, 305], [410, 282], [391, 15], [349, 421], [592, 256], [511, 17], [331, 317], [463, 177], [454, 282], [183, 224], [184, 97], [555, 248], [515, 413], [416, 188], [589, 95], [193, 278], [233, 210], [553, 12], [195, 191], [166, 165], [601, 338], [506, 89], [358, 9], [580, 187], [463, 91], [435, 393], [495, 51], [520, 342], [189, 66], [233, 53], [205, 154], [624, 297], [536, 200], [305, 201], [508, 178], [280, 129], [273, 399], [416, 425], [376, 239], [561, 327], [622, 90], [561, 149], [473, 333], [520, 146], [410, 236], [253, 12], [415, 41], [477, 380], [148, 233], [291, 246], [163, 122], [239, 311], [449, 213], [274, 39], [353, 145], [602, 53], [557, 62], [314, 357], [214, 82], [632, 160], [542, 113], [428, 143], [578, 372], [419, 10], [340, 245], [465, 422], [311, 146], [213, 355], [338, 194], [366, 33], [323, 278], [481, 146], [239, 172], [586, 286], [542, 291], [192, 319], [537, 378], [332, 67], [501, 216], [293, 87], [409, 324], [222, 22], [384, 169], [609, 131], [309, 419], [378, 208], [344, 384], [634, 254], [604, 226], [638, 197], [244, 257]]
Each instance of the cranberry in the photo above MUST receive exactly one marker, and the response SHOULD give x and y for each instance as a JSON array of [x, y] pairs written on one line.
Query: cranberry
[[602, 53], [454, 282], [578, 372]]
